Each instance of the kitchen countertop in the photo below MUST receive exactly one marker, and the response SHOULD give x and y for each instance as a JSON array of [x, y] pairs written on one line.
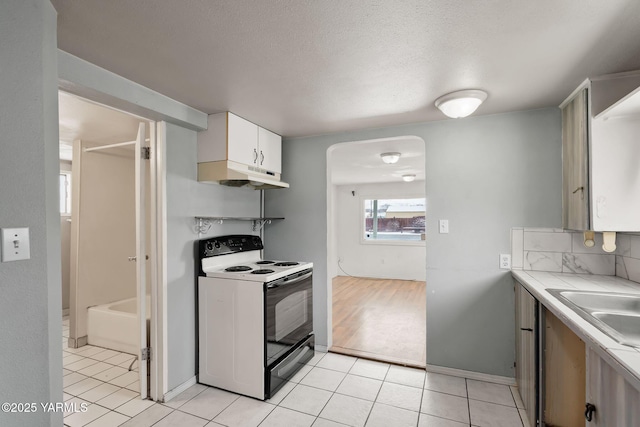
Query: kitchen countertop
[[624, 359]]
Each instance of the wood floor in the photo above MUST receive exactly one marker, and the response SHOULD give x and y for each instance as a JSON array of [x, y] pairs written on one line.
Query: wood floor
[[380, 319]]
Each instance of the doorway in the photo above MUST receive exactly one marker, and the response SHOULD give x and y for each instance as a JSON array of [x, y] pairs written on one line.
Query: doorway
[[377, 252], [106, 209]]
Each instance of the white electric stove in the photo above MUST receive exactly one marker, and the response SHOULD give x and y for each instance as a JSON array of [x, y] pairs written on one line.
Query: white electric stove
[[255, 316]]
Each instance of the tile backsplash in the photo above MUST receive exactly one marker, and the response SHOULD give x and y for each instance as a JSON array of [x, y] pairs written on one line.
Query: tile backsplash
[[556, 250], [560, 251], [628, 256]]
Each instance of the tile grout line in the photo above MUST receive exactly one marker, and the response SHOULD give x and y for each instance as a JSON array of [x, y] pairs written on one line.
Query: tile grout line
[[466, 386], [424, 384], [516, 403]]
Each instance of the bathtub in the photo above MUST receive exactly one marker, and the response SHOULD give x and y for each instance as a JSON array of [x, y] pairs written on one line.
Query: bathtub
[[115, 325]]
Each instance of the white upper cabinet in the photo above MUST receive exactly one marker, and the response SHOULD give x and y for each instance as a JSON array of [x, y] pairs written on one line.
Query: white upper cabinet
[[242, 140], [232, 138], [269, 150], [601, 154]]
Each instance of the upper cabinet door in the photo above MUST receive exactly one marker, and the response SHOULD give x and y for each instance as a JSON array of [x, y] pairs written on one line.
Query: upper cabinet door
[[270, 151], [242, 141], [575, 163]]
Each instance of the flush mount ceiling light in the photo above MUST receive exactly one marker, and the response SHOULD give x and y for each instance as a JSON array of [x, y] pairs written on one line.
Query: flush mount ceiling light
[[390, 158], [408, 177], [461, 103]]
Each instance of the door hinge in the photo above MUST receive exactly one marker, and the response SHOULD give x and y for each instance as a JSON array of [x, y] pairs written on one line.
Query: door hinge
[[146, 153], [146, 353]]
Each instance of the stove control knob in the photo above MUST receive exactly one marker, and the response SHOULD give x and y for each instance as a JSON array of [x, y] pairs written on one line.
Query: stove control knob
[[209, 246], [217, 245]]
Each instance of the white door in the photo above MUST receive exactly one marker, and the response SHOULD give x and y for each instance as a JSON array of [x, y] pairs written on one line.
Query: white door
[[141, 257]]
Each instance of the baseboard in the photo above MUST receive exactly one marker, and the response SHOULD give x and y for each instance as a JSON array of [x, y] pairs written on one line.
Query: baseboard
[[471, 375], [176, 391], [321, 348]]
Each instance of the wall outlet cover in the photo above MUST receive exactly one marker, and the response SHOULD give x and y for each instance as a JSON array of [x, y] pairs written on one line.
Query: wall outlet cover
[[505, 261], [15, 244]]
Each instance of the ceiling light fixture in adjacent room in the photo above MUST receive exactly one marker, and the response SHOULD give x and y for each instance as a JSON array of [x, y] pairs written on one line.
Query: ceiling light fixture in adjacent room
[[408, 177], [461, 103], [390, 158]]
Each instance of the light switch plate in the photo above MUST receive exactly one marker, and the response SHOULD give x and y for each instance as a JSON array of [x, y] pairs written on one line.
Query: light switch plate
[[15, 244], [443, 226]]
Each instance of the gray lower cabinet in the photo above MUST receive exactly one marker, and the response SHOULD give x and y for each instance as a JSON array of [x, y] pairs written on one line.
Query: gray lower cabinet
[[616, 402], [564, 374], [526, 366], [559, 377]]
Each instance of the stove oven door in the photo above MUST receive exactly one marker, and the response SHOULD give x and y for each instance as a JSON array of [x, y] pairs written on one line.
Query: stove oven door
[[288, 328], [288, 314]]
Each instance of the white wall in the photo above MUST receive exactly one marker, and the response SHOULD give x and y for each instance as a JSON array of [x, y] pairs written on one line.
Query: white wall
[[372, 259], [65, 247], [103, 231], [185, 199], [484, 174], [30, 306]]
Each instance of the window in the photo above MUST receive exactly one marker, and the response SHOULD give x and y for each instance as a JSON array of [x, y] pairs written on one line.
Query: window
[[394, 219], [65, 193]]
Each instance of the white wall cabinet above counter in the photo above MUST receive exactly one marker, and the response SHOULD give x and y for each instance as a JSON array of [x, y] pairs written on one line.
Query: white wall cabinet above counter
[[600, 152], [233, 151]]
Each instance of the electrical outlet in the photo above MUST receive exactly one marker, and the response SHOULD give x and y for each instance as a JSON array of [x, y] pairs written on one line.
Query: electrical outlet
[[15, 244], [505, 261]]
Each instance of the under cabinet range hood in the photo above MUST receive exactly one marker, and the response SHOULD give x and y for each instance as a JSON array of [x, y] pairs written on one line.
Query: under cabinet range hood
[[233, 174], [237, 153]]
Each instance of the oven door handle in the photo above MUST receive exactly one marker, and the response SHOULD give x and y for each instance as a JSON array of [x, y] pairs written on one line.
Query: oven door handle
[[286, 281]]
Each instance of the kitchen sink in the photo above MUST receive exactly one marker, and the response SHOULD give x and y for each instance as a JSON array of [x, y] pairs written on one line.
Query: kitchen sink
[[615, 314]]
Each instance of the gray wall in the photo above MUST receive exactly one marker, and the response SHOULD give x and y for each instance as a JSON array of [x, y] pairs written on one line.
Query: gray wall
[[485, 175], [30, 307], [187, 198]]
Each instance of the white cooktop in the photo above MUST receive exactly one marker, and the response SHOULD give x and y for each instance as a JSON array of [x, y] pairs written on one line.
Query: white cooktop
[[276, 272]]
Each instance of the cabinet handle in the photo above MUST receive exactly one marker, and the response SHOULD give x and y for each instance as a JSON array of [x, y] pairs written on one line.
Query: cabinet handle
[[581, 194], [261, 158], [588, 413], [255, 155], [526, 329]]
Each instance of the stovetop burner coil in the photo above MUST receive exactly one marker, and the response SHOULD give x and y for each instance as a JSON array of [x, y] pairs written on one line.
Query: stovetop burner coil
[[286, 263], [238, 268], [262, 271]]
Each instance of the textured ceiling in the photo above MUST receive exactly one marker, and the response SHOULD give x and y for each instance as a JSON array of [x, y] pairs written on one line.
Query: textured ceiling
[[305, 67]]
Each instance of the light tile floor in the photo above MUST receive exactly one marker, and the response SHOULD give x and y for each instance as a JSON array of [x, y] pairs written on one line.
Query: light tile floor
[[100, 378], [331, 391]]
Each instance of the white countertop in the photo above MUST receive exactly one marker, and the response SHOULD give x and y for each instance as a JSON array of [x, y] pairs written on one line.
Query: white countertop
[[625, 359]]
